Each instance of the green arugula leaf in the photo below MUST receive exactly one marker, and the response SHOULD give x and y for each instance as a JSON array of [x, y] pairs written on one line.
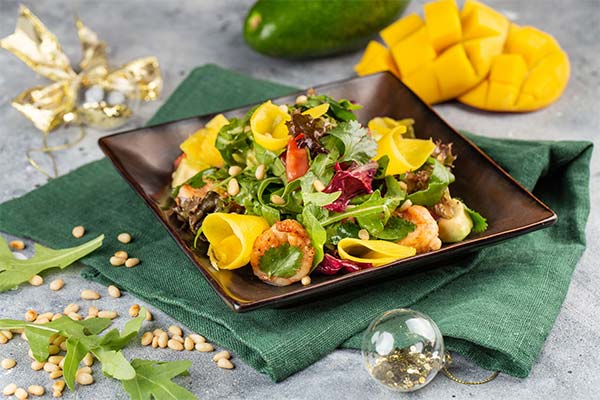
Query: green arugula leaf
[[282, 261], [234, 142], [114, 364], [321, 166], [341, 109], [439, 180], [319, 198], [153, 380], [340, 231], [13, 272], [318, 235], [479, 222], [396, 229], [76, 350], [358, 145]]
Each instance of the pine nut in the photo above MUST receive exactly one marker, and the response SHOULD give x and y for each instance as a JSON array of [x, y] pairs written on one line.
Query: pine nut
[[56, 394], [163, 340], [277, 199], [154, 342], [78, 231], [74, 316], [147, 338], [116, 261], [403, 185], [55, 374], [175, 330], [84, 370], [124, 237], [55, 359], [197, 338], [8, 363], [301, 99], [84, 379], [93, 311], [58, 386], [222, 354], [260, 172], [107, 314], [177, 339], [36, 365], [224, 363], [175, 345], [21, 394], [318, 185], [134, 310], [132, 262], [88, 294], [59, 339], [49, 367], [114, 291], [56, 316], [36, 390], [233, 187], [6, 333], [234, 170], [188, 344], [122, 254], [283, 108], [57, 284], [41, 320], [17, 244], [73, 307], [157, 332], [204, 347], [63, 346], [61, 364], [30, 315], [36, 280], [149, 316], [88, 360], [405, 206], [54, 349], [47, 315], [3, 339], [9, 389], [305, 280], [363, 234]]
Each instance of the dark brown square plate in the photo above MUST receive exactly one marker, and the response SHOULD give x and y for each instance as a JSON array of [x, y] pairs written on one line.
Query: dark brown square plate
[[145, 159]]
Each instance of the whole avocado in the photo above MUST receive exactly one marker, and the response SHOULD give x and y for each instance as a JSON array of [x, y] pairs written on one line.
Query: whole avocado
[[300, 29]]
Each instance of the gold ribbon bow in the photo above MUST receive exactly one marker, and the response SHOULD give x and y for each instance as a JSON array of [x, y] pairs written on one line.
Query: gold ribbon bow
[[50, 106]]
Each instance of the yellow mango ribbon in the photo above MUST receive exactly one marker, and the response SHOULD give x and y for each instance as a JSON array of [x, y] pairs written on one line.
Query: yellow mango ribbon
[[317, 111], [404, 154], [200, 149], [376, 252], [231, 237], [268, 126], [379, 126]]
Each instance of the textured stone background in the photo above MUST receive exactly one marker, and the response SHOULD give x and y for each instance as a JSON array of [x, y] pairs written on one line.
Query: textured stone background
[[185, 34]]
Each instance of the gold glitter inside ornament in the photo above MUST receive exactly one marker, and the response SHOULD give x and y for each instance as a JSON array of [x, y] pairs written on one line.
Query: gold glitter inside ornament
[[403, 350]]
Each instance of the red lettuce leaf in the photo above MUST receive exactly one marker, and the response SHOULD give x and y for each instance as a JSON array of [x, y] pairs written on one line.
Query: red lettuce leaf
[[352, 181], [331, 266]]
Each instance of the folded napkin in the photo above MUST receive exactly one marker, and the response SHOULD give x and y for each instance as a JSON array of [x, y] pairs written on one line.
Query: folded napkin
[[495, 307]]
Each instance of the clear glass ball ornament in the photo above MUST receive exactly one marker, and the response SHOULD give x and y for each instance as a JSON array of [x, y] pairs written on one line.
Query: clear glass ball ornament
[[107, 105], [403, 350]]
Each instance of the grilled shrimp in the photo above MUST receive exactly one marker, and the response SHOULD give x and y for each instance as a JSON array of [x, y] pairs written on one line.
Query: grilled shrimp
[[288, 231], [425, 236], [187, 192]]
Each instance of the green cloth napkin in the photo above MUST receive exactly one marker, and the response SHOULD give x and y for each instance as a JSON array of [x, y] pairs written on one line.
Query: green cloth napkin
[[495, 307]]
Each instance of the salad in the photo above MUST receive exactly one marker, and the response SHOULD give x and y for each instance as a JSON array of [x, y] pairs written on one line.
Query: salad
[[300, 189]]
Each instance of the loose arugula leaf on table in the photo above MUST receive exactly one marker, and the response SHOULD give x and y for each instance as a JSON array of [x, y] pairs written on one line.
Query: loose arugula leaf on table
[[358, 145], [479, 222], [153, 379], [13, 271], [439, 180], [282, 261]]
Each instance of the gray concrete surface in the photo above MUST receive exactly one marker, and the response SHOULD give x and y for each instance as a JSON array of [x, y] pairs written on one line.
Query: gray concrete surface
[[184, 34]]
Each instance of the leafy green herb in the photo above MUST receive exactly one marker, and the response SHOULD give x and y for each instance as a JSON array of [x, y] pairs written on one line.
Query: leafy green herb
[[234, 142], [13, 272], [396, 229], [340, 231], [153, 379], [479, 222], [439, 180], [282, 261], [318, 235], [322, 166], [319, 198], [338, 109], [358, 145], [375, 223]]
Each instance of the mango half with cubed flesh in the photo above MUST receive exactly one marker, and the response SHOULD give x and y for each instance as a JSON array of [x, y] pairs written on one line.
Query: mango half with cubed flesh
[[532, 73]]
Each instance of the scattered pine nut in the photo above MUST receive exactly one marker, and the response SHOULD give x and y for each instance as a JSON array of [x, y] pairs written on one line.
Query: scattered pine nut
[[84, 370], [93, 311], [84, 379], [36, 390], [54, 349], [61, 364], [147, 338], [222, 354], [124, 237], [73, 307], [149, 316], [107, 314], [189, 344], [6, 333], [134, 310], [277, 199], [157, 332], [301, 99], [154, 342], [114, 291], [204, 347], [224, 364], [177, 339], [3, 339], [163, 340], [56, 394], [41, 320], [30, 315], [56, 316], [74, 316], [8, 363], [116, 261], [88, 360], [36, 280], [175, 330], [55, 359], [21, 394], [234, 170], [132, 262], [58, 386], [36, 365], [88, 294], [318, 185], [122, 254], [49, 367], [17, 244], [59, 339], [305, 280], [78, 231], [405, 206], [260, 172], [47, 315], [55, 374], [175, 345], [9, 389], [363, 234], [403, 185], [57, 284], [233, 187], [197, 338], [63, 346]]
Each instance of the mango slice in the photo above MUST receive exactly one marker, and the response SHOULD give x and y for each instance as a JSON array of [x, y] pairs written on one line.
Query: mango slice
[[404, 154], [231, 237], [268, 126], [376, 59], [317, 111], [380, 126], [532, 73], [200, 149], [375, 252]]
